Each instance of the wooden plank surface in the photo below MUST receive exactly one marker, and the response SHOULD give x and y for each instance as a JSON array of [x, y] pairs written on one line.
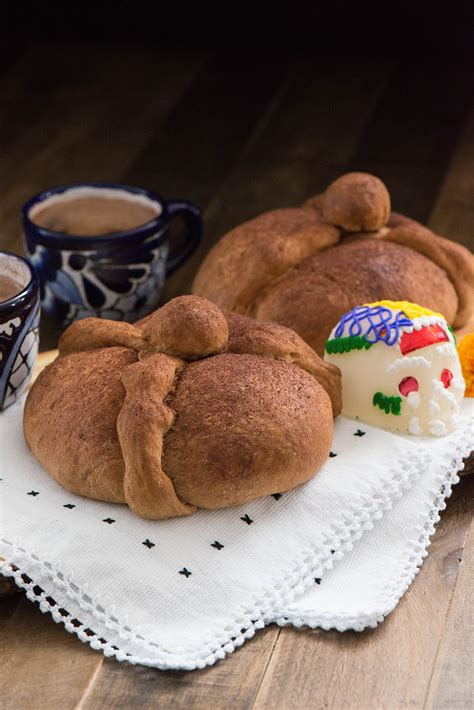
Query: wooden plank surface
[[453, 213], [413, 132], [239, 137], [215, 687], [386, 656], [390, 666], [379, 668], [302, 141], [42, 666], [454, 657], [86, 121]]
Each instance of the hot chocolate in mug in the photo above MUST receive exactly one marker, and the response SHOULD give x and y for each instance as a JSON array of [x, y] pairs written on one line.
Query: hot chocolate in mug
[[103, 249], [19, 326]]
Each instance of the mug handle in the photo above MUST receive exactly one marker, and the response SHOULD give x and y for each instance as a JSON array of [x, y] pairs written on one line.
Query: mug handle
[[193, 222]]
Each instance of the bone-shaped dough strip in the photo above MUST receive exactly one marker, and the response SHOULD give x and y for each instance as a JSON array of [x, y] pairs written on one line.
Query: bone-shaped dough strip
[[141, 425], [92, 333]]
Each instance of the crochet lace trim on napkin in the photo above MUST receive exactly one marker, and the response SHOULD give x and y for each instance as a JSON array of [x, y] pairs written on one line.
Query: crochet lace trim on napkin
[[269, 607], [409, 565]]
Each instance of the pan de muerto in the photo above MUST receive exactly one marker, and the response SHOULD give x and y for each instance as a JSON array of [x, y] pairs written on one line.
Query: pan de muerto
[[305, 267], [189, 408]]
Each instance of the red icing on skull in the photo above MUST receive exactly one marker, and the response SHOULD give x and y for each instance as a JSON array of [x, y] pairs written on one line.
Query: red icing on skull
[[407, 385], [428, 335], [446, 377]]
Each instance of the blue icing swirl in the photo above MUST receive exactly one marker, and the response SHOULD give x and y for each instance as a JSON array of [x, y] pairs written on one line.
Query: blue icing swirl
[[374, 323]]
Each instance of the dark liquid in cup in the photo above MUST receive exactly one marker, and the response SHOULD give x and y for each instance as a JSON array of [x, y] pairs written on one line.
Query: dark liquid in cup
[[93, 216], [8, 287]]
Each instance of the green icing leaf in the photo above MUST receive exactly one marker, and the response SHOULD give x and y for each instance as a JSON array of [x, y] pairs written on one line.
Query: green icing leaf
[[345, 345], [390, 405]]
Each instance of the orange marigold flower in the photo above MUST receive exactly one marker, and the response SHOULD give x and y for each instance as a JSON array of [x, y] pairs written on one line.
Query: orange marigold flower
[[466, 355]]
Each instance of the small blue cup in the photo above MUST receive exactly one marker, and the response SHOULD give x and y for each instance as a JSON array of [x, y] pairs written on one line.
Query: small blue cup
[[19, 324], [118, 275]]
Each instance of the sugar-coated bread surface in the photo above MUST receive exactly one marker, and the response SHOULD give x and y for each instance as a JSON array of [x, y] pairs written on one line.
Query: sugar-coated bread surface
[[330, 283], [197, 408], [70, 421], [301, 273], [261, 417], [356, 202], [255, 253]]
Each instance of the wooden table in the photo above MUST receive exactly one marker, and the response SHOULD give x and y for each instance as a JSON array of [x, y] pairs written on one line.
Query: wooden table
[[239, 135]]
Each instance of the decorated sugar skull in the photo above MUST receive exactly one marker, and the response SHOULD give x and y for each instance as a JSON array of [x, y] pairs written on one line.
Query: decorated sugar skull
[[400, 367]]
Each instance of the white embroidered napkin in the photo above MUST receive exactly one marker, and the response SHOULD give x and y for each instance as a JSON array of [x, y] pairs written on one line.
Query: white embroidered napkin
[[385, 561], [182, 593]]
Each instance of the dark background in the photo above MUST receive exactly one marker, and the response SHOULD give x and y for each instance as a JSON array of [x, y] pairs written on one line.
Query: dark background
[[242, 111], [337, 26], [238, 109]]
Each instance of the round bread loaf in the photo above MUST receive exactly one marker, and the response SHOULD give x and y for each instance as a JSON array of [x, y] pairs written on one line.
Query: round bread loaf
[[305, 273], [190, 408], [245, 426], [328, 284]]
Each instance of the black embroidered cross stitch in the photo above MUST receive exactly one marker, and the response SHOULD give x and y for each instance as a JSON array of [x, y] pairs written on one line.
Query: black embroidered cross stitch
[[185, 571], [108, 520], [246, 519], [69, 505], [332, 454], [217, 545], [33, 493], [359, 433], [277, 496], [148, 543]]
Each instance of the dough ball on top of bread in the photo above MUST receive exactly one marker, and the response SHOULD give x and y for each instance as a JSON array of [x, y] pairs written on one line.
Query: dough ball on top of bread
[[357, 202]]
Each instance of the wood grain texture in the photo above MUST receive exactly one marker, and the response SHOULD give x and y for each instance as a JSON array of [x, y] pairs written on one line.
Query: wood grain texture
[[453, 214], [301, 142], [87, 120], [390, 666], [8, 607], [217, 687], [452, 684], [7, 585], [227, 103], [384, 658], [413, 131], [194, 150], [42, 665], [238, 136]]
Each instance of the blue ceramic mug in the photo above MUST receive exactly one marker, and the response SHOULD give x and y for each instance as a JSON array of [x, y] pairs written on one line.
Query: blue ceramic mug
[[19, 324], [106, 271]]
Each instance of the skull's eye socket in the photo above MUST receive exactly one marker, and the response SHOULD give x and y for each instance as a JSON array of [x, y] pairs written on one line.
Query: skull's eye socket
[[407, 385], [446, 377]]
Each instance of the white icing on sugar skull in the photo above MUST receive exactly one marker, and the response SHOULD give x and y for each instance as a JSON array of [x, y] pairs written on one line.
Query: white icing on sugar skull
[[400, 367]]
